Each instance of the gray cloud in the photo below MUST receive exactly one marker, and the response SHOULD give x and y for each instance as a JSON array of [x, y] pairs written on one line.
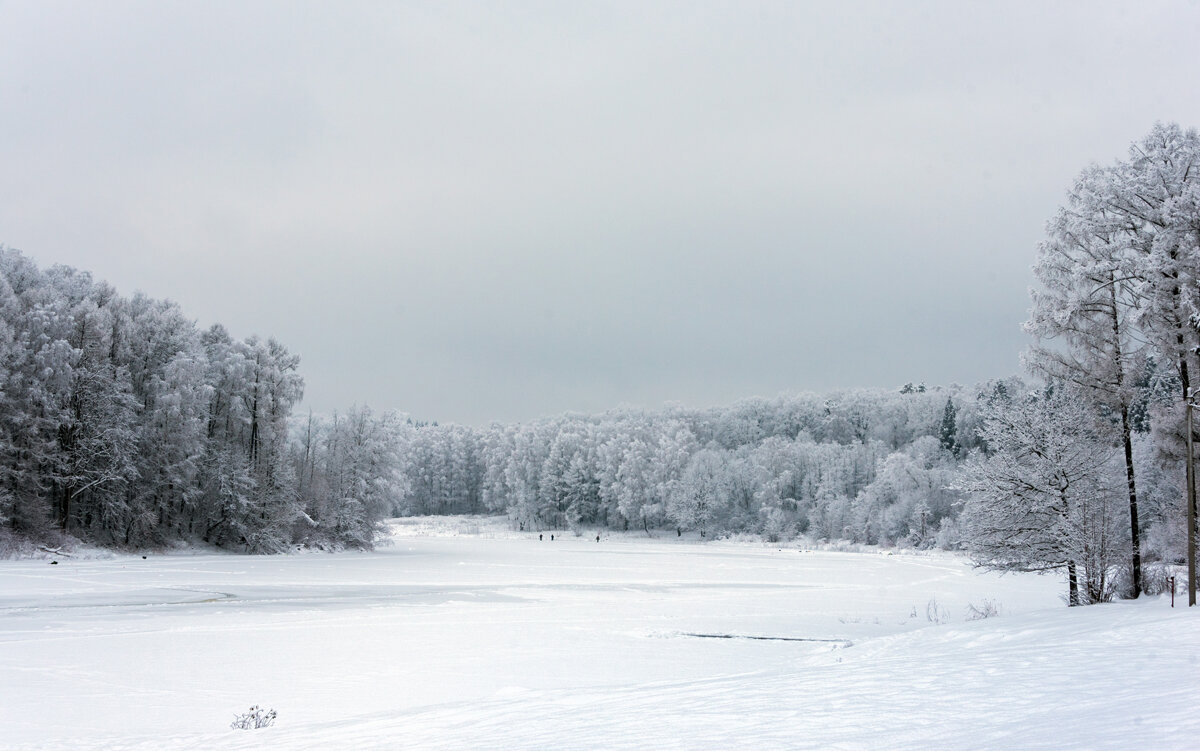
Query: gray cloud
[[502, 211]]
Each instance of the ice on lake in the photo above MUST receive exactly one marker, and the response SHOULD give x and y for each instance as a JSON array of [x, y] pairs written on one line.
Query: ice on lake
[[492, 639]]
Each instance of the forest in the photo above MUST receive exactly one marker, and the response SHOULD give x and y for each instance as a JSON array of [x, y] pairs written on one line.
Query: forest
[[123, 424]]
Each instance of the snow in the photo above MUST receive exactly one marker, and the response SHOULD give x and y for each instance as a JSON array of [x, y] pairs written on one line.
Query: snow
[[462, 634]]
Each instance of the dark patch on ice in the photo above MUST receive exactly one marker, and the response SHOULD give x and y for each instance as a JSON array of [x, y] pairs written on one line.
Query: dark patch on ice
[[843, 642], [273, 597], [213, 596]]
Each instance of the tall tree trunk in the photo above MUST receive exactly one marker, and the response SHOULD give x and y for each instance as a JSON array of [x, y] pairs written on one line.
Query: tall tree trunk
[[1072, 585], [66, 509], [1136, 535], [1126, 439], [254, 418], [1189, 501]]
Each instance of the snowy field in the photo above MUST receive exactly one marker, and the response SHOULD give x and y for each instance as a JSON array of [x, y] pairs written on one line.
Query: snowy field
[[464, 635]]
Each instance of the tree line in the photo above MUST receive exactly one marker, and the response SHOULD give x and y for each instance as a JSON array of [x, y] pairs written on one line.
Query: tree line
[[124, 424], [864, 465]]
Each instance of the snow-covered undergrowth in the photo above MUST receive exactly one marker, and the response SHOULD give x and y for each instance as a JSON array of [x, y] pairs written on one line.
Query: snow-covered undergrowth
[[461, 636]]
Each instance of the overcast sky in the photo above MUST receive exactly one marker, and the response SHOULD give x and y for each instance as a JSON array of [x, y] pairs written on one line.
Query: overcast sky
[[509, 210]]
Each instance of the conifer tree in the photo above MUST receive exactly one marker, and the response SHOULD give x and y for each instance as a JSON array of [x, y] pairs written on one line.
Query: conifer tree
[[948, 434]]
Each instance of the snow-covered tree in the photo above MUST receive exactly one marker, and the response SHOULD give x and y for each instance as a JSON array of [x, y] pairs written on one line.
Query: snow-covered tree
[[909, 497], [351, 471], [1082, 325], [1045, 497], [1119, 275], [702, 494]]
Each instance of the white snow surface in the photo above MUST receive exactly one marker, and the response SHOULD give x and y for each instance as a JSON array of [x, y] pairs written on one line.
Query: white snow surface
[[462, 634]]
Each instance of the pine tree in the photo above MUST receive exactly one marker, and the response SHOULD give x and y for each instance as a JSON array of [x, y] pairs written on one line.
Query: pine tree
[[948, 434]]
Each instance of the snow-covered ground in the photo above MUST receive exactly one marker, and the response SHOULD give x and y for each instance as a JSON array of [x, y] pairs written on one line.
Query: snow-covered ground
[[465, 635]]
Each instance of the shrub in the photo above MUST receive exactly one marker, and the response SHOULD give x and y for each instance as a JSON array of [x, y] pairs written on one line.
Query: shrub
[[935, 613], [986, 609], [1156, 578], [255, 718]]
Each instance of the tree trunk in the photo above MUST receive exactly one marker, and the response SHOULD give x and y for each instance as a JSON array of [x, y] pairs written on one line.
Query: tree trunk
[[66, 509], [1133, 508], [254, 425], [1072, 585], [1189, 500], [1127, 439]]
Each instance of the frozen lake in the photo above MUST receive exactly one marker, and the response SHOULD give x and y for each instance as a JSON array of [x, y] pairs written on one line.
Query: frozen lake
[[502, 641]]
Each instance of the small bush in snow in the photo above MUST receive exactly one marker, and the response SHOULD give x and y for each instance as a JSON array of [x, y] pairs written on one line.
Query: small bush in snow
[[256, 718], [986, 609], [936, 613], [1156, 578]]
